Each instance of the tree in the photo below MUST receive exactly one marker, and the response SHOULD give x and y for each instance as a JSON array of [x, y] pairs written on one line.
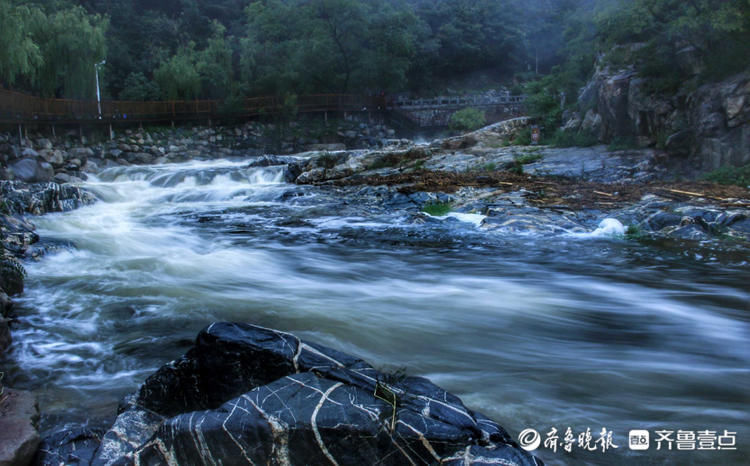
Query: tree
[[178, 76], [70, 42], [214, 65], [19, 54], [138, 87]]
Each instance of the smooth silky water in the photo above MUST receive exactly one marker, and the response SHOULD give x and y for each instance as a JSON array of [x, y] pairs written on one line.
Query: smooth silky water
[[535, 331]]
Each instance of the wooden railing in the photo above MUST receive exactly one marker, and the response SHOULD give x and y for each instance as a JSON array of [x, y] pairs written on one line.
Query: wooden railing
[[16, 107]]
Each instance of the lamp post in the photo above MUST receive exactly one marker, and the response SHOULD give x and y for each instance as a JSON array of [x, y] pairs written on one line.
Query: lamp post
[[98, 92]]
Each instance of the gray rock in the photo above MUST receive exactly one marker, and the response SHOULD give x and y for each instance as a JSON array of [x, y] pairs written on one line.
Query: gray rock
[[81, 153], [54, 157], [661, 220], [61, 178], [29, 152], [44, 144], [19, 439], [139, 157], [5, 338], [32, 171], [12, 275], [6, 305], [71, 446]]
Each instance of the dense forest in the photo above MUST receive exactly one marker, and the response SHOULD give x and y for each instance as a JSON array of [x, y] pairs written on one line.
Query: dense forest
[[224, 49]]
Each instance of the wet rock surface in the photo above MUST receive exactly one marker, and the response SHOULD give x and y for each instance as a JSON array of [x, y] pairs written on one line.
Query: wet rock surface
[[17, 236], [19, 439], [252, 394]]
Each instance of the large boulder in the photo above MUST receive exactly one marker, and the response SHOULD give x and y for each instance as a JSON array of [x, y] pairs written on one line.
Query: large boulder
[[31, 170], [12, 274], [38, 199], [252, 395], [19, 439]]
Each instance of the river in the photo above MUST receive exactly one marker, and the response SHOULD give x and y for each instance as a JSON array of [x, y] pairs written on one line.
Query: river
[[535, 331]]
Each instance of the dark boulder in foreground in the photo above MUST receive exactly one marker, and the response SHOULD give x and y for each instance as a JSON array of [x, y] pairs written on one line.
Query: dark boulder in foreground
[[250, 395]]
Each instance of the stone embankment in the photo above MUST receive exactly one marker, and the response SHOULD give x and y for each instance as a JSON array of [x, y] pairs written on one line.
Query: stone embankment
[[68, 158]]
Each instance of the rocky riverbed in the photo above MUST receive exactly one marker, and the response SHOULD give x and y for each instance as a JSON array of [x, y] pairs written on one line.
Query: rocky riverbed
[[425, 193]]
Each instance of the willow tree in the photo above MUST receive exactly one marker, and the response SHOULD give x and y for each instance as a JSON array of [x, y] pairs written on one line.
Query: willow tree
[[178, 76], [19, 54], [71, 43]]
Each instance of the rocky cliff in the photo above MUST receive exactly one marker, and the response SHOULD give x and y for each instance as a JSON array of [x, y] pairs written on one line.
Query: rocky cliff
[[707, 126]]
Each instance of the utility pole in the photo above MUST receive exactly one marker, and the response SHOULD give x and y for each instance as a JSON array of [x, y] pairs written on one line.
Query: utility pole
[[98, 91]]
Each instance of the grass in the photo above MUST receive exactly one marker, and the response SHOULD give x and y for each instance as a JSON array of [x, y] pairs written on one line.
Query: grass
[[622, 144], [437, 209], [529, 157], [523, 138], [573, 139], [515, 167], [739, 176], [634, 232]]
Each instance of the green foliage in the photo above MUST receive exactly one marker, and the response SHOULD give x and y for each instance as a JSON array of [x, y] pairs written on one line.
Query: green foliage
[[622, 144], [437, 209], [214, 65], [178, 77], [515, 167], [562, 138], [71, 42], [19, 54], [739, 176], [529, 157], [635, 233], [489, 167], [54, 52], [293, 47], [523, 137], [467, 119], [138, 87], [707, 34]]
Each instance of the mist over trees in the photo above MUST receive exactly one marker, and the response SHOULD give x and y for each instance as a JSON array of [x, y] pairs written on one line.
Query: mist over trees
[[224, 49]]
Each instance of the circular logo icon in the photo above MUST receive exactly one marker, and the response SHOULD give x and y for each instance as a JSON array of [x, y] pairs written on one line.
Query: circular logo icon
[[529, 439]]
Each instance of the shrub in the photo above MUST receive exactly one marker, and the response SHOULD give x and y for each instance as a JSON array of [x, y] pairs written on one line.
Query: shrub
[[529, 157], [730, 175], [563, 138], [437, 209], [467, 119], [523, 137], [622, 144]]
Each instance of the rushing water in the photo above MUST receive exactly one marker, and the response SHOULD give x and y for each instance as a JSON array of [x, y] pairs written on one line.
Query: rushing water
[[534, 331]]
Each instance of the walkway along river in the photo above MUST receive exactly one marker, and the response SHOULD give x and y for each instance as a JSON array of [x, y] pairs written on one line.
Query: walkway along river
[[535, 331]]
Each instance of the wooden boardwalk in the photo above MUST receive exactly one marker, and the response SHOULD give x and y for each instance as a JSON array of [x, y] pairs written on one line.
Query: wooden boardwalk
[[25, 109], [16, 107]]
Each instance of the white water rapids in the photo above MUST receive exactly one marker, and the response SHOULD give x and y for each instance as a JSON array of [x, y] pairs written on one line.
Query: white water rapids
[[535, 332]]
